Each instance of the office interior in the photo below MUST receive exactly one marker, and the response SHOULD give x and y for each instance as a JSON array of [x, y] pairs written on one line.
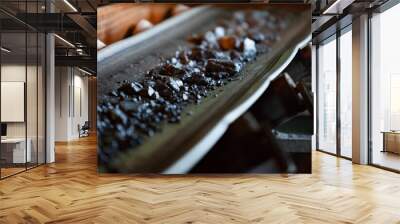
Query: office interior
[[48, 79], [356, 81], [354, 174]]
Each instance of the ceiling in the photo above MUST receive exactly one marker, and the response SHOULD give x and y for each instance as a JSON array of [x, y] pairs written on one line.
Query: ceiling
[[74, 22], [332, 15]]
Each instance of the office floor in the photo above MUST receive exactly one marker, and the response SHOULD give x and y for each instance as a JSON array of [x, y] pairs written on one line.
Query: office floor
[[387, 159], [8, 171], [70, 191]]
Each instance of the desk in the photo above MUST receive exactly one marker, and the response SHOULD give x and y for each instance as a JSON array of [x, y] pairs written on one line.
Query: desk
[[391, 141], [16, 147]]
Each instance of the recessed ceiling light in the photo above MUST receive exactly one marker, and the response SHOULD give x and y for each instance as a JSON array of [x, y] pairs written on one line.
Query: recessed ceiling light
[[65, 41], [5, 50], [86, 72], [70, 5], [337, 7]]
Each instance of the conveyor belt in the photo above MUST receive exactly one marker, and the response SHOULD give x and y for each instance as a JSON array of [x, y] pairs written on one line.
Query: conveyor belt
[[179, 146]]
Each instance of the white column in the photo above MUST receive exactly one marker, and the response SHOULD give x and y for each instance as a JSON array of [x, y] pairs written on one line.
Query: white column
[[50, 92], [50, 99], [360, 90]]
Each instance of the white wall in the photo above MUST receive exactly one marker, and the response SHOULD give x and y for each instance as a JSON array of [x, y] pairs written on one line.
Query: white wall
[[71, 94], [33, 127], [80, 100], [62, 81], [12, 73]]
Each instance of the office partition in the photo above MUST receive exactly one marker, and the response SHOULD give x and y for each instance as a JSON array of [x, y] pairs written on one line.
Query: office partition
[[22, 77]]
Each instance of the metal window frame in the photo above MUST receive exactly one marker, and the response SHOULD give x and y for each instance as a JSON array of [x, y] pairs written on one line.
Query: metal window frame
[[381, 9], [334, 37]]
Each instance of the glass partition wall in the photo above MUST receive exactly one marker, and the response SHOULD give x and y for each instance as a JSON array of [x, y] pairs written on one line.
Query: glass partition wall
[[334, 105], [22, 107]]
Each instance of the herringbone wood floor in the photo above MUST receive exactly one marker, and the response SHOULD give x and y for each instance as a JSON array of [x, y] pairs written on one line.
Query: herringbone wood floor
[[70, 191]]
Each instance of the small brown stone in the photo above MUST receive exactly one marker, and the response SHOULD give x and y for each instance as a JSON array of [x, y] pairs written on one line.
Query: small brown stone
[[228, 42]]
